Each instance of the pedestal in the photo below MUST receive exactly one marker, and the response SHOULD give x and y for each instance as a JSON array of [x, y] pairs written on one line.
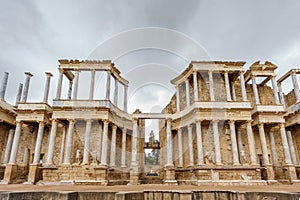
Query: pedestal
[[101, 172], [291, 174], [134, 176], [170, 176], [34, 173], [10, 173], [270, 174]]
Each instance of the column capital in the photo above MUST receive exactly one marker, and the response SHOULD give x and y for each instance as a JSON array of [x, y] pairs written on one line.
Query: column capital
[[54, 120], [124, 130], [190, 126], [48, 74], [231, 121], [28, 74], [198, 121], [71, 121], [179, 129], [135, 120], [249, 121], [293, 72], [253, 76], [41, 123], [169, 120], [114, 127], [61, 70], [241, 72], [225, 71], [105, 121], [260, 125], [215, 121], [282, 124], [89, 121]]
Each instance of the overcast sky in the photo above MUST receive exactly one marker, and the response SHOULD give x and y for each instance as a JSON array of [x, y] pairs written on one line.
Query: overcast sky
[[35, 34]]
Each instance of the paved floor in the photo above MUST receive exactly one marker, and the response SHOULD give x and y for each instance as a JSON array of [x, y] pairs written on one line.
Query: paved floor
[[82, 188]]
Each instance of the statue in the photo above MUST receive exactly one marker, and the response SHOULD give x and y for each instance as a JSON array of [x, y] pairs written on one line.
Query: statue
[[77, 156], [151, 138], [94, 155], [242, 157], [209, 157]]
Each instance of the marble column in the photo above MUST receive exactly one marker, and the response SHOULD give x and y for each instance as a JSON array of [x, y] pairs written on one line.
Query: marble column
[[104, 143], [281, 95], [211, 86], [108, 85], [69, 144], [169, 144], [92, 85], [8, 146], [76, 82], [285, 145], [47, 86], [187, 93], [59, 84], [18, 98], [15, 145], [116, 91], [251, 143], [233, 92], [38, 144], [177, 98], [113, 146], [4, 85], [87, 142], [195, 80], [273, 148], [125, 97], [62, 147], [292, 147], [255, 90], [70, 89], [217, 142], [239, 142], [275, 89], [227, 86], [234, 149], [26, 156], [26, 86], [243, 87], [180, 154], [134, 143], [51, 144], [123, 154], [263, 144], [199, 143], [191, 149], [296, 86], [100, 142]]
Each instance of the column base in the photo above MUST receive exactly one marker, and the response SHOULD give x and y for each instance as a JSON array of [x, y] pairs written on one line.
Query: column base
[[170, 175], [10, 173], [134, 178], [269, 173], [34, 173], [290, 173]]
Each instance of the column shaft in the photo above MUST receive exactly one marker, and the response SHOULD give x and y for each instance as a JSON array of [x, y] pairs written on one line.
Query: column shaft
[[169, 144], [285, 145], [187, 93], [51, 144], [251, 143], [4, 85], [233, 92], [275, 89], [125, 97], [211, 85], [217, 142], [235, 154], [38, 144], [15, 145], [292, 147], [8, 145], [281, 95], [70, 89], [195, 80], [59, 84], [255, 91], [26, 86], [190, 138], [116, 92], [108, 85], [227, 86], [296, 86], [113, 146], [134, 153], [104, 143], [263, 143], [76, 81], [62, 147], [243, 88], [180, 154], [199, 143], [92, 85], [177, 98], [100, 142], [87, 141], [69, 144], [273, 148], [47, 87], [123, 155], [18, 98]]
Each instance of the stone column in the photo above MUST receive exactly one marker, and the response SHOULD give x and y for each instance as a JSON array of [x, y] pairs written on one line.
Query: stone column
[[134, 151], [169, 144], [4, 85], [239, 142], [62, 147], [92, 85], [187, 93], [292, 148], [243, 88], [8, 146], [104, 143], [275, 89], [273, 148], [69, 144], [235, 153], [76, 81], [123, 154], [199, 143], [233, 92], [211, 85], [227, 86], [255, 91], [285, 145], [47, 86], [281, 95], [125, 97], [70, 89], [100, 142], [18, 99], [87, 140], [38, 144], [217, 142], [15, 145], [51, 144], [190, 139], [59, 84], [195, 80], [251, 143], [116, 92], [296, 85], [26, 156], [177, 98], [180, 156], [26, 87], [113, 146], [263, 143], [108, 85]]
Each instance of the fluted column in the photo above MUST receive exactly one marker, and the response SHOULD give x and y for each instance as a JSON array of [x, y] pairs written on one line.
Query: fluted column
[[134, 152], [38, 144], [87, 141], [296, 86], [227, 86], [47, 86], [26, 87], [4, 85], [187, 93], [243, 88], [169, 144], [113, 146], [62, 146], [104, 143], [108, 85], [195, 80], [235, 153], [100, 142], [116, 91], [292, 147], [233, 92], [180, 156], [177, 98], [76, 81], [273, 148], [15, 145], [255, 90], [123, 154], [125, 97], [251, 143], [285, 145], [69, 144], [281, 95], [51, 144], [263, 143], [190, 139], [211, 85], [8, 146], [70, 89], [19, 94], [59, 84], [92, 85], [199, 143], [275, 90], [217, 142]]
